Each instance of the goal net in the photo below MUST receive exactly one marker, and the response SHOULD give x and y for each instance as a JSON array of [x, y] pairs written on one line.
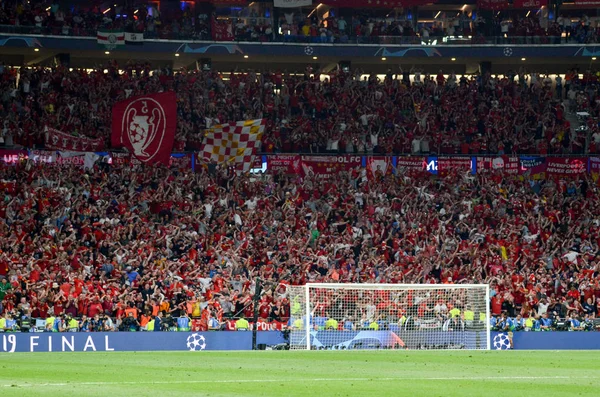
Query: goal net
[[389, 316]]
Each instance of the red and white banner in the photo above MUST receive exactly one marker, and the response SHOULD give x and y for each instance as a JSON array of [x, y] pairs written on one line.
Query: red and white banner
[[328, 166], [222, 30], [509, 165], [566, 166], [145, 125], [379, 166], [59, 140], [291, 3], [492, 4], [530, 3], [286, 164]]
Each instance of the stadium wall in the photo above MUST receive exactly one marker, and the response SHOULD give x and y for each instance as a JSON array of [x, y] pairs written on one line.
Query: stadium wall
[[219, 341]]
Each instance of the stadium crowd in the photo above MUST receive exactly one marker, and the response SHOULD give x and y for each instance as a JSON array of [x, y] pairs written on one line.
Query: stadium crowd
[[252, 24], [407, 111], [156, 248]]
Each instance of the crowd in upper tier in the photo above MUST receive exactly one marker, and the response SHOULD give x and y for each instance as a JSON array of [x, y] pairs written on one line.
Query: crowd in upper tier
[[305, 25], [405, 111], [130, 242]]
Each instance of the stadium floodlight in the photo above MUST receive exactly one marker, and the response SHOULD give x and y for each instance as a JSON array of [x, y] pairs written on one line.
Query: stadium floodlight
[[389, 316]]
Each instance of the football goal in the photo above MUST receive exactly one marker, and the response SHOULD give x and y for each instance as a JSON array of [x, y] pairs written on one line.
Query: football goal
[[389, 316]]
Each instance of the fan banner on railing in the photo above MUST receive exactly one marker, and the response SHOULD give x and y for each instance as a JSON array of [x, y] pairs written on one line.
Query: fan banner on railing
[[134, 38], [327, 167], [110, 37], [59, 140], [378, 166], [145, 125], [288, 164], [530, 3], [409, 165], [562, 167], [292, 3], [506, 164], [492, 4]]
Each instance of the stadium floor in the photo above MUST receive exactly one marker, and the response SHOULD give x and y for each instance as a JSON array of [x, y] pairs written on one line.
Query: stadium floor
[[294, 373]]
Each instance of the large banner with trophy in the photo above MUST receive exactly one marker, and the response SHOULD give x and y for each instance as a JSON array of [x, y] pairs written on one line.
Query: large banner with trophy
[[145, 125]]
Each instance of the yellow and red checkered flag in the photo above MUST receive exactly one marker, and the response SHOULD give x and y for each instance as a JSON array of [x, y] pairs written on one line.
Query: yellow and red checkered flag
[[234, 143]]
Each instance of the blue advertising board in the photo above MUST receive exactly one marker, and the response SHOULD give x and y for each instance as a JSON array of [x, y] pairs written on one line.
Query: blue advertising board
[[207, 341], [124, 341], [549, 340], [207, 48]]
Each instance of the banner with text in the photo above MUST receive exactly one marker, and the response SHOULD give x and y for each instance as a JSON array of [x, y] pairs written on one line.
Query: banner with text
[[59, 140], [445, 165], [283, 163], [328, 166], [509, 165]]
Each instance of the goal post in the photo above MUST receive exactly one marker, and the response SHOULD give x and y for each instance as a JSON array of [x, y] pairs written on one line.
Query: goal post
[[328, 316]]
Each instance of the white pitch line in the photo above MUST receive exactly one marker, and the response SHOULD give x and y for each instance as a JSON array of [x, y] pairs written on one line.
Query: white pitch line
[[373, 379]]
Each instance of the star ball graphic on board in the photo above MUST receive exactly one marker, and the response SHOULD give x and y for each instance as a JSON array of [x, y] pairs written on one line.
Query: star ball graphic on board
[[308, 50], [501, 342], [196, 342], [508, 51]]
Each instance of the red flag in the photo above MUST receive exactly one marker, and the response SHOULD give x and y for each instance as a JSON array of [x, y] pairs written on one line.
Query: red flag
[[145, 125]]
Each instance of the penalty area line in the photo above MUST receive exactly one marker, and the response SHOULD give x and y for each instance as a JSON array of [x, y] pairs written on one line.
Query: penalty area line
[[372, 379]]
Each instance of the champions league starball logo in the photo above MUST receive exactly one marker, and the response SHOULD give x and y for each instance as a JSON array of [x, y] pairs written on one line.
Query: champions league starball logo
[[145, 124], [196, 342], [501, 342]]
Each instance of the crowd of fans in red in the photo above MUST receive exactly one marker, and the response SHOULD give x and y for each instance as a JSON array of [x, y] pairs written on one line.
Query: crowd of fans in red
[[313, 112], [131, 239]]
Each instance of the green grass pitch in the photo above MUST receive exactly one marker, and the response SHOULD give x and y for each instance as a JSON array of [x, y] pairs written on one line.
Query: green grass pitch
[[298, 373]]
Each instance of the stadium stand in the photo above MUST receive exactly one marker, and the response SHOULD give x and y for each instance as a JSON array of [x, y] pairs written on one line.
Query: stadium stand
[[84, 244], [313, 112], [130, 247]]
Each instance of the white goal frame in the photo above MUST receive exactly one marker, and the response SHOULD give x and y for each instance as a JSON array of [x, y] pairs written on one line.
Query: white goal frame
[[376, 287]]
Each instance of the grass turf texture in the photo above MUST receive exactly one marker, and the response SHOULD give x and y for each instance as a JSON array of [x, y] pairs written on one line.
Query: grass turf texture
[[281, 373]]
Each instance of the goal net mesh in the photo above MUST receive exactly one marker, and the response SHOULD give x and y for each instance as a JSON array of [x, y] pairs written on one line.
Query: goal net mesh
[[389, 316]]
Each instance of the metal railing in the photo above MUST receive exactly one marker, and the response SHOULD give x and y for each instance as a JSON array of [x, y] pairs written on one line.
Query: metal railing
[[432, 40]]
